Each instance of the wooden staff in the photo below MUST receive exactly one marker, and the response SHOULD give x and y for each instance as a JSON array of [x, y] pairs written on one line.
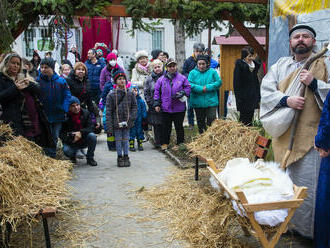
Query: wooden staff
[[298, 111]]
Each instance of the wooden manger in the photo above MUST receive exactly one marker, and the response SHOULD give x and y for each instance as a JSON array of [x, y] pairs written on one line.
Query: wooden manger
[[268, 239]]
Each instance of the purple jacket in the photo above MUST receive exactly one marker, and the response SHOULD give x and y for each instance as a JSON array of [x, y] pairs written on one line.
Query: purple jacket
[[106, 75], [166, 89]]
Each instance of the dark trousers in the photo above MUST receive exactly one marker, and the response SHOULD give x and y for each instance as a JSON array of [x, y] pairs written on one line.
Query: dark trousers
[[167, 119], [246, 117], [205, 117], [158, 130]]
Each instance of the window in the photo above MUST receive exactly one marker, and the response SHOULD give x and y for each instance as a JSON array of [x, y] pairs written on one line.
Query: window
[[45, 42], [157, 39], [29, 35]]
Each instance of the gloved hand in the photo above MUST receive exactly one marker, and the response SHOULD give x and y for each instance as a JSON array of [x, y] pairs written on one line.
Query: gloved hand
[[179, 94]]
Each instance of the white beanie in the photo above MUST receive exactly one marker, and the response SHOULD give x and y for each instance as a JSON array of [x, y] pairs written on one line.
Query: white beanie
[[140, 54]]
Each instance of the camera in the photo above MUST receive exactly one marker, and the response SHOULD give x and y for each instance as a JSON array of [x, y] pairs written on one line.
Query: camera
[[70, 137], [122, 124]]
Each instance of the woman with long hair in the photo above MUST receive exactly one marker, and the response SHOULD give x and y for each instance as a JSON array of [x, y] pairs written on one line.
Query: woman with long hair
[[19, 98]]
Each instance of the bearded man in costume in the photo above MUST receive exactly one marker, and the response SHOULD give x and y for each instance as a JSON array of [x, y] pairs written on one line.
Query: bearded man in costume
[[279, 101]]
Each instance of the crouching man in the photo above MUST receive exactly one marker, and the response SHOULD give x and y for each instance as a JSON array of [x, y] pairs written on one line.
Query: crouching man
[[77, 133]]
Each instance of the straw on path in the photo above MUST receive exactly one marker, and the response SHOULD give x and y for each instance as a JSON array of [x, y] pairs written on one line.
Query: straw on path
[[225, 140]]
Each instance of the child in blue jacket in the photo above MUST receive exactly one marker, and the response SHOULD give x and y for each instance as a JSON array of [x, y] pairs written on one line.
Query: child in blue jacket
[[136, 132]]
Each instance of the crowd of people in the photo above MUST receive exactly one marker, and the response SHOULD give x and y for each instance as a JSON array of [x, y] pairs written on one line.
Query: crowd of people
[[75, 100], [43, 105]]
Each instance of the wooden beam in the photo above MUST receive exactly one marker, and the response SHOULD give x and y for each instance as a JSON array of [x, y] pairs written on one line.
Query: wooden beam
[[245, 33]]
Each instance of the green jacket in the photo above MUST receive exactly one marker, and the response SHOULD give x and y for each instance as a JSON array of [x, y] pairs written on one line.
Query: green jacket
[[197, 80]]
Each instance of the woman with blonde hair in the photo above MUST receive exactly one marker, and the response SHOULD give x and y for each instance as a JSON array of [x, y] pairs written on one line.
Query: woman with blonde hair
[[19, 98]]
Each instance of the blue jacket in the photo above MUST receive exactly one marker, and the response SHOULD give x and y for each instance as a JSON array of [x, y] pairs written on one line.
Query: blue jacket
[[107, 88], [94, 72], [322, 139], [55, 96], [211, 80], [137, 131], [188, 65], [214, 64]]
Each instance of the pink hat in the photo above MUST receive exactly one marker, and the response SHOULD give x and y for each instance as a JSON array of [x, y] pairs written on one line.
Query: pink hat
[[111, 56]]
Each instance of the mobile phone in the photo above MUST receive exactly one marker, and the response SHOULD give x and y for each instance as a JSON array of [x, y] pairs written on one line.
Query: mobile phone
[[24, 72]]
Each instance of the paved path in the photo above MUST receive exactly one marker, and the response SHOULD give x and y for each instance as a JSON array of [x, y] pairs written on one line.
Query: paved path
[[109, 194]]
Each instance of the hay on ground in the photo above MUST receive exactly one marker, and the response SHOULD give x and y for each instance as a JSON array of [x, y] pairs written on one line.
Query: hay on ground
[[225, 140], [29, 180], [195, 212]]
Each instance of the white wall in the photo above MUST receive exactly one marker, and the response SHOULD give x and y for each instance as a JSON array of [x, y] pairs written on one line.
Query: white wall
[[129, 45]]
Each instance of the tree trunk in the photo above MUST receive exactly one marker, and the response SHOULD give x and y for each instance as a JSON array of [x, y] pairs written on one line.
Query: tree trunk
[[180, 44]]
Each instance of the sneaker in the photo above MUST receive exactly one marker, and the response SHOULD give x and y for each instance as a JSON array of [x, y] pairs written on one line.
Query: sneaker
[[127, 163], [80, 154], [91, 162], [120, 162]]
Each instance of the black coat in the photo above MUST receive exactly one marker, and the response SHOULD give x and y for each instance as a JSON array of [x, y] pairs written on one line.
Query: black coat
[[81, 90], [12, 102], [68, 127], [246, 86]]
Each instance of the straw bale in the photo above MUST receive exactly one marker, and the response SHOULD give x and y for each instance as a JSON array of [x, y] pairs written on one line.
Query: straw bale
[[194, 211], [225, 140], [29, 180]]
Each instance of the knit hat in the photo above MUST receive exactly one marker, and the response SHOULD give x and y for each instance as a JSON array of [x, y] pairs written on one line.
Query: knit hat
[[111, 56], [49, 62], [73, 99], [117, 74], [140, 54], [155, 53], [206, 58]]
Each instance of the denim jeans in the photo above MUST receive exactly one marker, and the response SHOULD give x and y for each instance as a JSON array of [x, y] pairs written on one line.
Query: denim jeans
[[121, 137], [55, 129], [90, 142]]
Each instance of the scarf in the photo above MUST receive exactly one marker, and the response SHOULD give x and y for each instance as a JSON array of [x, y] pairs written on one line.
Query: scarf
[[145, 70], [155, 76], [77, 126]]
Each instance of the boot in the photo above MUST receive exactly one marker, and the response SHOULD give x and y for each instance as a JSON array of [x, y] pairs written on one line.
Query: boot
[[140, 147], [120, 161], [131, 146], [91, 162], [127, 163]]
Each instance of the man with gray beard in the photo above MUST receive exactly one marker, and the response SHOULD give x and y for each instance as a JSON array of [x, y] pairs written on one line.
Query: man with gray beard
[[279, 101]]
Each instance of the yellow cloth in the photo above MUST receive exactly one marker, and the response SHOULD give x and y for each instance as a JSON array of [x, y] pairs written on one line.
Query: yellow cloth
[[296, 7]]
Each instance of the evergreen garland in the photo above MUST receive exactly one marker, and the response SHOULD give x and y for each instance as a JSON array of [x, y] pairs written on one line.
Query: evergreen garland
[[194, 15]]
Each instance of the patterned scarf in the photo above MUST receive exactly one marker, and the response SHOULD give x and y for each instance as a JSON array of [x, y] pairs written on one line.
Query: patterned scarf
[[145, 70]]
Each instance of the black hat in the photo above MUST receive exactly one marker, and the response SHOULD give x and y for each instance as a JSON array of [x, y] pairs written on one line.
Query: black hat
[[206, 58], [49, 62], [302, 26]]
